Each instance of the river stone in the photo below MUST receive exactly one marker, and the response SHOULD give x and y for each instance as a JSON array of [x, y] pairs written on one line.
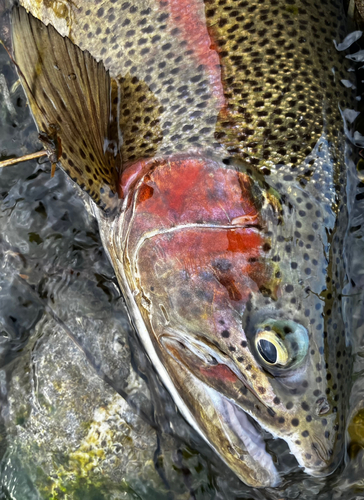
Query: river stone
[[70, 430]]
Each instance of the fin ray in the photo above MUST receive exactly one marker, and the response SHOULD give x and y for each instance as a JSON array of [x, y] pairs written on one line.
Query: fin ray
[[69, 95]]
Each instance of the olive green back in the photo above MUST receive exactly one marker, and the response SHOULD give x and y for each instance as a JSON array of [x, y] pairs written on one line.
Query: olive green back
[[257, 79]]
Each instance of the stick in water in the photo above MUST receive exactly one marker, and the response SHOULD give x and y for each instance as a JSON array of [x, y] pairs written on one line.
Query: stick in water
[[14, 161]]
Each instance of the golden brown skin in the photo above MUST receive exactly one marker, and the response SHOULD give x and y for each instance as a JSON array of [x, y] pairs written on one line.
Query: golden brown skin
[[254, 87], [359, 4], [274, 95]]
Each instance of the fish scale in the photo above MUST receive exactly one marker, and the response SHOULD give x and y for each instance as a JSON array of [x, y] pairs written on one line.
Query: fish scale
[[139, 123], [279, 77], [153, 49], [282, 88], [209, 98]]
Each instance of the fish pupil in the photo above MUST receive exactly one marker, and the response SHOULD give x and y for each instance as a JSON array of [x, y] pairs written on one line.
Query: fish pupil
[[268, 351]]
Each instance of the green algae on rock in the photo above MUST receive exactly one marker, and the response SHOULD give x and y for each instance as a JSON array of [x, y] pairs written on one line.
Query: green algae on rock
[[75, 432]]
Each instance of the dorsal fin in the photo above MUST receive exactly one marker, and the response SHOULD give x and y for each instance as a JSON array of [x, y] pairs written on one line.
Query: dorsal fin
[[69, 95]]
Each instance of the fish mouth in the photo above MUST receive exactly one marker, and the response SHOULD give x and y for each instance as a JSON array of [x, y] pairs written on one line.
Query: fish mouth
[[243, 430], [226, 428], [246, 442], [235, 435]]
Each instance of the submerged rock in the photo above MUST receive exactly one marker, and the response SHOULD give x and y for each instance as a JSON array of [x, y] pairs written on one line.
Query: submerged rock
[[70, 430]]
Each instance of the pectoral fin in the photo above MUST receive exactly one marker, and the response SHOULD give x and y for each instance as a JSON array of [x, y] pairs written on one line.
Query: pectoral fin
[[69, 95]]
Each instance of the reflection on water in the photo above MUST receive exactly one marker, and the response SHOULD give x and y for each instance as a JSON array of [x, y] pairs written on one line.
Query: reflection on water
[[83, 413]]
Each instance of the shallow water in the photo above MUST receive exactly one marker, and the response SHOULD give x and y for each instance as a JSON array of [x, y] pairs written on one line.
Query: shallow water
[[83, 414]]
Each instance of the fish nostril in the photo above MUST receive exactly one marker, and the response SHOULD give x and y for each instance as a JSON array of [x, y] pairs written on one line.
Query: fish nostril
[[322, 406]]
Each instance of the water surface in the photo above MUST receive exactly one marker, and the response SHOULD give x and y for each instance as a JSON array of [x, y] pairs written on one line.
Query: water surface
[[83, 414]]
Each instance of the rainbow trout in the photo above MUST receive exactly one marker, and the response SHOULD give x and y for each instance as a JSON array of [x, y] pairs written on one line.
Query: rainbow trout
[[209, 137]]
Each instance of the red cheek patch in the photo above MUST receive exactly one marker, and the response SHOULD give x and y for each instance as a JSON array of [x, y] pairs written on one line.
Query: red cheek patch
[[219, 372], [187, 190], [145, 193], [200, 251], [243, 242], [207, 233]]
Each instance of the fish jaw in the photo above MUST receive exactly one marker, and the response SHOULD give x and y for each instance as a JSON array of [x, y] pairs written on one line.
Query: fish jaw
[[190, 269], [246, 457]]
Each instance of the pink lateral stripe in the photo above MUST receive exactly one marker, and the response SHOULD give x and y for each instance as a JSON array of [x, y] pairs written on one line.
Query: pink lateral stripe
[[188, 16]]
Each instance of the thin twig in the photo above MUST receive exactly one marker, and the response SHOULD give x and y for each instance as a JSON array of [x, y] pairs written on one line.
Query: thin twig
[[14, 161]]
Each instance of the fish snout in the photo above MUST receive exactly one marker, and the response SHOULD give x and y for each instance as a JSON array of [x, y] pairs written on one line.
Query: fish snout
[[323, 406]]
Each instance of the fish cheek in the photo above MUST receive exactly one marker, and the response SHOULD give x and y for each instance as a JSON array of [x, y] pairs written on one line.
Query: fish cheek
[[196, 292], [201, 283]]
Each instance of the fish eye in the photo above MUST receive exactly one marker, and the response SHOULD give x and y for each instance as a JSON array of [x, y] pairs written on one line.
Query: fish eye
[[268, 351], [271, 348], [281, 344]]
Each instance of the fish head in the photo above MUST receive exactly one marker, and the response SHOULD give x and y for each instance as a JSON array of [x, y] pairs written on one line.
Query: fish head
[[230, 314]]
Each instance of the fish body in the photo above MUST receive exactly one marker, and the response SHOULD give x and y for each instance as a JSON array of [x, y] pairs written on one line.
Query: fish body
[[214, 152]]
